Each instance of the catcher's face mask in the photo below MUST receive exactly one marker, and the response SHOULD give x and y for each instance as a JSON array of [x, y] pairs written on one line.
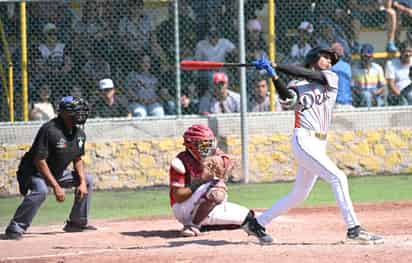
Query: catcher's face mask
[[206, 148], [77, 108]]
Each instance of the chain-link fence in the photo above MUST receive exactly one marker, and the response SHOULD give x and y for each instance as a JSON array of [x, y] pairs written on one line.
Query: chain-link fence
[[130, 45]]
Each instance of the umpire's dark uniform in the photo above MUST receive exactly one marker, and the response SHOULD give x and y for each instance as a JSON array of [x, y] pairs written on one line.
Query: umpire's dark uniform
[[58, 146]]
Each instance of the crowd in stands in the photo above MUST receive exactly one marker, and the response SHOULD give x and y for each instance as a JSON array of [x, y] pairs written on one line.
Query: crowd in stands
[[115, 56]]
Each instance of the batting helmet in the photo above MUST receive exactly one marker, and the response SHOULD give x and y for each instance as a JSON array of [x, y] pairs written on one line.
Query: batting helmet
[[200, 141], [77, 108], [314, 54]]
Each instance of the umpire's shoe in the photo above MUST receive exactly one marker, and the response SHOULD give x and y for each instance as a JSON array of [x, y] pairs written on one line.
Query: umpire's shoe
[[10, 235], [359, 235], [253, 228], [73, 227]]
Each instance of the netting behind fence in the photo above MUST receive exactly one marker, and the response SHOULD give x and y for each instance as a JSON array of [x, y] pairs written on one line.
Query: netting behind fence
[[73, 45]]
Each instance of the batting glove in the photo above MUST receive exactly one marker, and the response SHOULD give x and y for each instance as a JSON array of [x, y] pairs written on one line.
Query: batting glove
[[264, 64]]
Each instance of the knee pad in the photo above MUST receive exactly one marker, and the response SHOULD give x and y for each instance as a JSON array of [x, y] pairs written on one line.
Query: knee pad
[[217, 192]]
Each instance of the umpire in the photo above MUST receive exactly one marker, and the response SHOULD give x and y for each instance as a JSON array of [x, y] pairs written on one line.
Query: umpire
[[58, 143]]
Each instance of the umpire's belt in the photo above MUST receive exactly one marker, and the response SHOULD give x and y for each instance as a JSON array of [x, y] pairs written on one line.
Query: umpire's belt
[[320, 136]]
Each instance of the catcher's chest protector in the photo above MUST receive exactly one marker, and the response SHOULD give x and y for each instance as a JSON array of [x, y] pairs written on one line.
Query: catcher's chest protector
[[193, 168]]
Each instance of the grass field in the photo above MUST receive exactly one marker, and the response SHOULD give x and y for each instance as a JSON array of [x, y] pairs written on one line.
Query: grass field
[[149, 202]]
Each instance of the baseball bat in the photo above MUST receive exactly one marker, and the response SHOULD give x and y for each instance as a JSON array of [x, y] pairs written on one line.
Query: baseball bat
[[209, 65]]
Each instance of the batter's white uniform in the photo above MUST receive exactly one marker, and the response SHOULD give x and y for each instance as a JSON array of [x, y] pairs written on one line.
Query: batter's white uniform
[[313, 115]]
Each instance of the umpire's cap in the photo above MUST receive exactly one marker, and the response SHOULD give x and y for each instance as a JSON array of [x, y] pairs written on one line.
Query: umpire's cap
[[314, 54]]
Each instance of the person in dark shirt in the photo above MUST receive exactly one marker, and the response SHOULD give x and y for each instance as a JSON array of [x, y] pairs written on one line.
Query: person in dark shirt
[[58, 143], [108, 104]]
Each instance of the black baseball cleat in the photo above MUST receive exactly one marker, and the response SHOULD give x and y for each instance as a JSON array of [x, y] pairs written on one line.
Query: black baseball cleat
[[253, 228], [13, 235], [359, 235], [73, 227]]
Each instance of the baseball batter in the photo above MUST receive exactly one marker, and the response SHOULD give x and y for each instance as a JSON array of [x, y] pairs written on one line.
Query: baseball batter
[[199, 198], [313, 99]]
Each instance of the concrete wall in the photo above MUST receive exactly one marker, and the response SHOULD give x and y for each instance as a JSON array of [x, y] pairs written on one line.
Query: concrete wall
[[132, 153]]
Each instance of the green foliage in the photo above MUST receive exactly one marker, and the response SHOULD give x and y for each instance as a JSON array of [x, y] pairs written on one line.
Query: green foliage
[[154, 202]]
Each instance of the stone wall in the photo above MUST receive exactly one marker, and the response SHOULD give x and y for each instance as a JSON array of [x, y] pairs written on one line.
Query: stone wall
[[135, 163]]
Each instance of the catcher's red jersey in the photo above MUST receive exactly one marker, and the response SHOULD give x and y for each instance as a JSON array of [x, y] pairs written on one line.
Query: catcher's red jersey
[[192, 175]]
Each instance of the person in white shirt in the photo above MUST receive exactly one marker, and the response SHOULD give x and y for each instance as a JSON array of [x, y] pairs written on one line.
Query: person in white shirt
[[397, 75], [302, 47], [41, 108], [221, 100], [213, 48]]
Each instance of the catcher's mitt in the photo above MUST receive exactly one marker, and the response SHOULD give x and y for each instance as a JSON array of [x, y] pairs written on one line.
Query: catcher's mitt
[[217, 192], [216, 167]]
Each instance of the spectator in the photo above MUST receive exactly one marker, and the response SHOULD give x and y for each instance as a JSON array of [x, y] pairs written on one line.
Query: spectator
[[41, 108], [108, 105], [167, 101], [222, 100], [213, 48], [403, 6], [255, 48], [96, 67], [406, 93], [368, 81], [93, 26], [43, 12], [343, 70], [134, 28], [255, 44], [397, 75], [363, 13], [302, 47], [328, 36], [189, 100], [142, 86], [52, 60], [260, 100], [189, 106], [166, 30], [76, 91], [205, 11]]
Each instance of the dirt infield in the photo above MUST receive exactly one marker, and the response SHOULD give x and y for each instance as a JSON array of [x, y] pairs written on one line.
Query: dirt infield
[[303, 235]]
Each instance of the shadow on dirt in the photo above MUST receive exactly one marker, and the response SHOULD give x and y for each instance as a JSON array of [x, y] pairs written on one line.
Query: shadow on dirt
[[154, 233], [189, 241], [205, 242]]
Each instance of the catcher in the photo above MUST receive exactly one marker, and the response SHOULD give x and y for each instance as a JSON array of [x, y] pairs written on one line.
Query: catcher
[[198, 195]]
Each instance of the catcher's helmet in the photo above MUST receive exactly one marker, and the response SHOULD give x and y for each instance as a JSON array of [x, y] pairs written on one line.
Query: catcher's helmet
[[314, 54], [200, 141], [77, 108]]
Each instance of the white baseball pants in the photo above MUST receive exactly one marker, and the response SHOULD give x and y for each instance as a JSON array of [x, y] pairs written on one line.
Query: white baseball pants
[[225, 213], [310, 154]]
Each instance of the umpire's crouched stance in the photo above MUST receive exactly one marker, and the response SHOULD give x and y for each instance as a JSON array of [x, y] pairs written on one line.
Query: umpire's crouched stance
[[58, 142]]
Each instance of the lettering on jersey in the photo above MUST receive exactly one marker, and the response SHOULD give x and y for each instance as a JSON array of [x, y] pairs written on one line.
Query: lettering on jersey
[[61, 144], [308, 99]]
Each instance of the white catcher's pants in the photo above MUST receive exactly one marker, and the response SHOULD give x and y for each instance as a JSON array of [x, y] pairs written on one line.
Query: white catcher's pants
[[225, 213], [310, 154]]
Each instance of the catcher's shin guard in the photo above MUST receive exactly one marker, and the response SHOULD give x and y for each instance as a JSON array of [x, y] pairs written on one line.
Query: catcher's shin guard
[[202, 210]]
